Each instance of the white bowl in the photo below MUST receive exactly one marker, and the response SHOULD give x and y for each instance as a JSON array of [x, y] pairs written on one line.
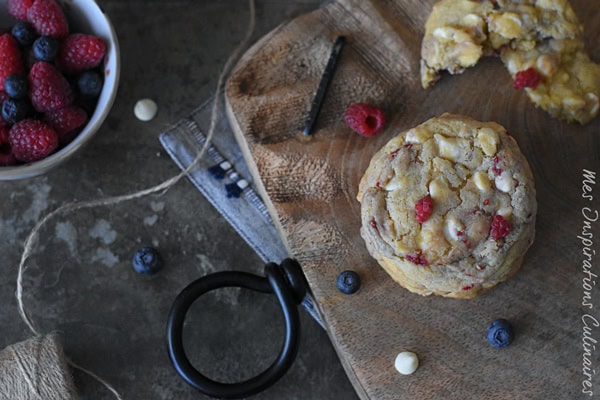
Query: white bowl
[[84, 16]]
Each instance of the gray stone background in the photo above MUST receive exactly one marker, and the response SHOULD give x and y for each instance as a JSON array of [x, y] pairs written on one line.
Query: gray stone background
[[80, 281]]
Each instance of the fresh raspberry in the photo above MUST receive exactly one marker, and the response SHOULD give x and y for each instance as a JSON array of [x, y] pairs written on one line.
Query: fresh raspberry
[[528, 78], [424, 207], [500, 227], [32, 140], [364, 119], [10, 57], [18, 8], [6, 155], [48, 88], [67, 122], [48, 19], [80, 52]]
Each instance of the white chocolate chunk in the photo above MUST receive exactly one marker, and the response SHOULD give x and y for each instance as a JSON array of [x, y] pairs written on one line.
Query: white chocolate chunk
[[406, 362], [451, 148], [505, 182], [417, 135], [145, 109], [487, 139], [594, 102], [453, 229], [505, 212], [482, 181], [439, 190]]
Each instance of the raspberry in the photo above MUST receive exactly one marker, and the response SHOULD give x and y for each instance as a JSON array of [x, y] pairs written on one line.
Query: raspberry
[[364, 119], [32, 140], [418, 259], [66, 122], [424, 207], [80, 52], [48, 88], [6, 155], [10, 57], [500, 227], [48, 19], [18, 8], [528, 78]]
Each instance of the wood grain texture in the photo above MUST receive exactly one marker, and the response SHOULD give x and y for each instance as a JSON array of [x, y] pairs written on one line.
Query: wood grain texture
[[310, 187]]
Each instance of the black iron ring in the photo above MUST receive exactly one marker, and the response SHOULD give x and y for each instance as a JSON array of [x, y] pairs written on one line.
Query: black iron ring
[[288, 285]]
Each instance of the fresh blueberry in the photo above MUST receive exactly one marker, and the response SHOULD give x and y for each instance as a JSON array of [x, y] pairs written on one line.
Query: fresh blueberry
[[500, 333], [147, 261], [15, 110], [24, 33], [90, 83], [46, 48], [348, 282], [16, 86]]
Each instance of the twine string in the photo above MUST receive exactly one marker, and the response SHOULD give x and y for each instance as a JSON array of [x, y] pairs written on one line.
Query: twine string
[[33, 236]]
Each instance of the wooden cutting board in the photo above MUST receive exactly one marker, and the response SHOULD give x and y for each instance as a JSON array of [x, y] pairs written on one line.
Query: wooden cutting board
[[310, 188]]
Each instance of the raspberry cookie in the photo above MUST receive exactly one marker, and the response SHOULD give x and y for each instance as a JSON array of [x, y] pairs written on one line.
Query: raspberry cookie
[[449, 207], [543, 37]]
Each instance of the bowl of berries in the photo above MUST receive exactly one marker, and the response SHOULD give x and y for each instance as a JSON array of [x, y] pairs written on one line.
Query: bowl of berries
[[59, 73]]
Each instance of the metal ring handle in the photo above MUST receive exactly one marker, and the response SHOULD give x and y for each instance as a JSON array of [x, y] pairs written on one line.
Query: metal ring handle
[[285, 287]]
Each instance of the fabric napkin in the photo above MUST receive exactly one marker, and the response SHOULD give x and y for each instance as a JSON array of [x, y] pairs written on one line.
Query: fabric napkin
[[222, 176]]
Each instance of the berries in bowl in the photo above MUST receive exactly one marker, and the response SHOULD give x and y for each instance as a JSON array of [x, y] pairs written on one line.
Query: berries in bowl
[[59, 72]]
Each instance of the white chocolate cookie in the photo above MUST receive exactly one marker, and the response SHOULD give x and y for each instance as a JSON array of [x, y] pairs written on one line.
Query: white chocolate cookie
[[449, 207], [544, 35]]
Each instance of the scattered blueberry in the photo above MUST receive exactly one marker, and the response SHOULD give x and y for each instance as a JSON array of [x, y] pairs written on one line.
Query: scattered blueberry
[[90, 83], [500, 333], [24, 33], [15, 110], [46, 48], [147, 261], [16, 86], [348, 282]]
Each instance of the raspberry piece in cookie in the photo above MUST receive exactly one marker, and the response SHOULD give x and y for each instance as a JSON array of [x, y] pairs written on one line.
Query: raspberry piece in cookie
[[528, 78]]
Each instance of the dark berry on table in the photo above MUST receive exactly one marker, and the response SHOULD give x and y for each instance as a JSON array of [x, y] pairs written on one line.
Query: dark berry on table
[[500, 227], [49, 90], [424, 208], [32, 140], [348, 282], [10, 57], [15, 110], [500, 333], [528, 78], [81, 52], [16, 86], [46, 48], [364, 119], [48, 19], [18, 8], [147, 261], [24, 33], [90, 83]]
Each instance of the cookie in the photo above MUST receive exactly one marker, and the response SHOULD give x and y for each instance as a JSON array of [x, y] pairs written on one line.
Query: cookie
[[448, 207], [544, 35]]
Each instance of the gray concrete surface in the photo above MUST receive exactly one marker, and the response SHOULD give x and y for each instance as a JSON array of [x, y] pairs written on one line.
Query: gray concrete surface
[[80, 281]]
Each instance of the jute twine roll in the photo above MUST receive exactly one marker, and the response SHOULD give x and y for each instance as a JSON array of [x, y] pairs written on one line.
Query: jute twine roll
[[35, 369]]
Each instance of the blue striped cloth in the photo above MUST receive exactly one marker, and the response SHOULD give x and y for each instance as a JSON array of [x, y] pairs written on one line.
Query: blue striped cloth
[[222, 176]]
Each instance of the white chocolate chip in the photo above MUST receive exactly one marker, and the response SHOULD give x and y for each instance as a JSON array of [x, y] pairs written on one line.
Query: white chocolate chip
[[547, 65], [417, 135], [482, 181], [453, 229], [406, 363], [504, 182], [595, 104], [451, 148], [145, 109], [439, 190], [505, 212], [487, 139]]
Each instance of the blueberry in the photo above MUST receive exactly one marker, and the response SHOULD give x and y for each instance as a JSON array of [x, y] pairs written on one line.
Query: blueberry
[[90, 83], [147, 261], [46, 48], [15, 110], [348, 282], [16, 86], [500, 333], [24, 33]]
